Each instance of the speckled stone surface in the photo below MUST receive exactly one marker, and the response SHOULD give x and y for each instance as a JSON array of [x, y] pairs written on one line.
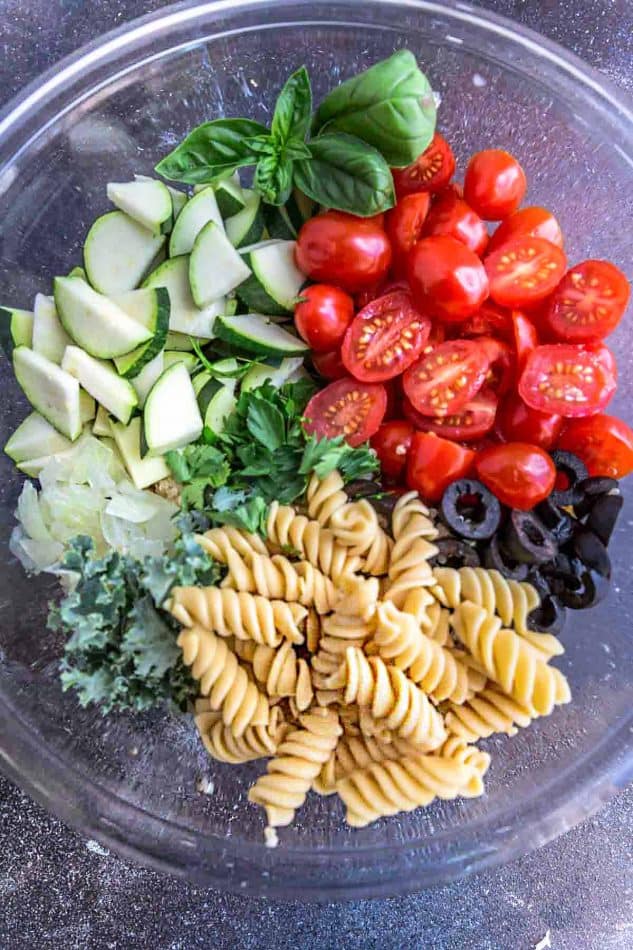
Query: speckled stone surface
[[58, 890]]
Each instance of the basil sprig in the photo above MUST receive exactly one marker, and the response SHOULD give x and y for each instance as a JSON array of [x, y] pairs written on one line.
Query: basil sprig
[[340, 158]]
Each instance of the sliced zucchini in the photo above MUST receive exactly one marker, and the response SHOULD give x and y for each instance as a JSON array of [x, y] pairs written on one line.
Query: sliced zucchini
[[142, 471], [179, 341], [177, 356], [147, 377], [101, 425], [151, 307], [147, 202], [77, 272], [278, 223], [35, 437], [16, 329], [119, 252], [276, 280], [198, 211], [94, 322], [184, 317], [255, 333], [171, 417], [33, 467], [229, 196], [178, 198], [247, 226], [50, 390], [215, 267], [49, 337], [102, 381], [87, 406], [219, 407], [259, 373]]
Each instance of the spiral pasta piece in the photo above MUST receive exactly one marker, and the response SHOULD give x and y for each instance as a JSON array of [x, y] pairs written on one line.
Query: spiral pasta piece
[[257, 742], [509, 661], [300, 757], [385, 788], [287, 529], [460, 751], [488, 712], [238, 613], [377, 557], [325, 497], [358, 752], [414, 533], [390, 696], [282, 673], [219, 541], [354, 525], [277, 578], [313, 631], [411, 520], [400, 641], [223, 680]]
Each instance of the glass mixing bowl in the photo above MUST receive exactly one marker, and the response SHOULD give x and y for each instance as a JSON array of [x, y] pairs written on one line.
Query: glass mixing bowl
[[113, 109]]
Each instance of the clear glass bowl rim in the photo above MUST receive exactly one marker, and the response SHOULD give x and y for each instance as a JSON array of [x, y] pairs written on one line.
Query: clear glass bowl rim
[[74, 797]]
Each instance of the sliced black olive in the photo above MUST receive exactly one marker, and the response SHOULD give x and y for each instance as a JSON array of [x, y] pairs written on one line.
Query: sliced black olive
[[384, 503], [557, 521], [470, 510], [548, 617], [575, 471], [498, 559], [593, 488], [536, 579], [454, 553], [361, 488], [584, 589], [589, 549], [604, 515], [527, 539]]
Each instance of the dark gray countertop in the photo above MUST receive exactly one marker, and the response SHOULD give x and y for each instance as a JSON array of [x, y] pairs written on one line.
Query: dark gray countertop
[[58, 890]]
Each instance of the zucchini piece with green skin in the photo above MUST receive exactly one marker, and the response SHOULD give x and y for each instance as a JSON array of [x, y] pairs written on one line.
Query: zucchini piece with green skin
[[229, 196], [275, 282], [247, 226], [101, 425], [49, 337], [259, 373], [87, 406], [147, 202], [184, 317], [171, 417], [151, 307], [16, 329], [147, 377], [143, 471], [119, 252], [77, 272], [51, 391], [179, 341], [35, 437], [94, 322], [219, 407], [215, 267], [178, 200], [256, 334], [102, 382], [198, 211], [207, 393], [177, 356]]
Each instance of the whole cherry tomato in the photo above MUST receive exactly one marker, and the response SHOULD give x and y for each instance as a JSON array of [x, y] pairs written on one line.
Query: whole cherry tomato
[[329, 365], [431, 171], [433, 463], [404, 225], [604, 443], [533, 222], [322, 316], [391, 444], [518, 422], [494, 184], [451, 215], [447, 279], [519, 474], [344, 250]]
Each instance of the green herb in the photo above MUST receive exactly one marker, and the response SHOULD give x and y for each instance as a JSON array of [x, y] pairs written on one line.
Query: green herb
[[121, 651], [212, 151], [293, 111]]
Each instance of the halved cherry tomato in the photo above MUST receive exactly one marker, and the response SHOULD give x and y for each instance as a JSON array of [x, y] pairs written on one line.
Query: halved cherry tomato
[[501, 373], [329, 365], [604, 443], [520, 475], [322, 316], [348, 408], [518, 422], [525, 337], [446, 378], [604, 355], [588, 303], [533, 221], [404, 225], [494, 184], [385, 338], [447, 279], [491, 320], [343, 249], [524, 271], [433, 463], [473, 421], [391, 444], [451, 215], [431, 170], [567, 380]]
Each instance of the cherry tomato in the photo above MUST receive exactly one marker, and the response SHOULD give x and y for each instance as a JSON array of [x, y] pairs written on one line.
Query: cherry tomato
[[451, 215], [433, 463], [474, 420], [604, 355], [385, 338], [348, 408], [447, 279], [365, 296], [588, 303], [525, 337], [524, 271], [404, 225], [519, 474], [501, 375], [342, 249], [494, 184], [517, 422], [446, 378], [566, 380], [322, 316], [391, 444], [533, 222], [491, 320], [394, 398], [431, 170], [604, 443], [329, 365], [436, 336]]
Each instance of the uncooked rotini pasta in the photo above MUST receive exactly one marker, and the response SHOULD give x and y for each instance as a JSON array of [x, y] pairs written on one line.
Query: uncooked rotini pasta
[[411, 520], [238, 613], [459, 750], [278, 578], [313, 631], [291, 531], [488, 712], [219, 541], [299, 759], [358, 752], [413, 531], [257, 742], [324, 497], [355, 526], [281, 672]]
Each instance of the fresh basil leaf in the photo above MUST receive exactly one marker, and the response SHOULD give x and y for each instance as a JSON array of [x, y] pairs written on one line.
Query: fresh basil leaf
[[273, 179], [293, 109], [263, 144], [390, 106], [212, 151], [346, 174], [295, 148]]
